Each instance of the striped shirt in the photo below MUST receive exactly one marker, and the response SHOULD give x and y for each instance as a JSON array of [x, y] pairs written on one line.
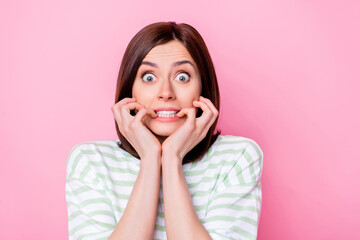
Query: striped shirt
[[224, 185]]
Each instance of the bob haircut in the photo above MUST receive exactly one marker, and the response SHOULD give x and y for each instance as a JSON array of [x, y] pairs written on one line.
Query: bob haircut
[[157, 34]]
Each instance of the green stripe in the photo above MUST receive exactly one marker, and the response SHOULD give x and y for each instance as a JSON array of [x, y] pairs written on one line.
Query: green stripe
[[79, 190], [207, 180], [85, 171], [237, 195], [237, 142], [119, 209], [244, 233], [69, 180], [201, 193], [251, 165], [210, 166], [90, 222], [160, 228], [217, 233], [257, 149], [228, 151], [90, 201], [231, 219], [90, 214], [92, 235], [75, 163], [226, 180], [160, 214], [114, 169], [234, 206], [117, 148], [200, 207], [103, 192]]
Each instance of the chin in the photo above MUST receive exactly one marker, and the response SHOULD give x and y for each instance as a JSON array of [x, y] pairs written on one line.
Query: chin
[[163, 129], [163, 132]]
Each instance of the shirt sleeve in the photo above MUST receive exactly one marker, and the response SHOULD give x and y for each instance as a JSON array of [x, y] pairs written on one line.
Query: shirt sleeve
[[234, 209], [90, 213]]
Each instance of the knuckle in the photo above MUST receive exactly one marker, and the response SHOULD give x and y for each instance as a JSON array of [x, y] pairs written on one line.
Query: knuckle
[[191, 125], [202, 135], [126, 131], [132, 125], [113, 108]]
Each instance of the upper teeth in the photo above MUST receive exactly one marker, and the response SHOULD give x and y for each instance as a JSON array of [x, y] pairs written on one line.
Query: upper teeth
[[166, 113]]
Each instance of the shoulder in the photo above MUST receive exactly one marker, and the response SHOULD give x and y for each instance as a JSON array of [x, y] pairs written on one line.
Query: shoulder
[[92, 154], [99, 145], [92, 148], [242, 155], [236, 144]]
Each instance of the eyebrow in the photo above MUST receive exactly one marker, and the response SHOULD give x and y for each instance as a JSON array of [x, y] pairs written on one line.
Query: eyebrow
[[173, 65]]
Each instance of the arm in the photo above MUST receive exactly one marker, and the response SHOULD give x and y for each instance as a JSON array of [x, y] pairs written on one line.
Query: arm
[[180, 217], [234, 209], [90, 211], [138, 220]]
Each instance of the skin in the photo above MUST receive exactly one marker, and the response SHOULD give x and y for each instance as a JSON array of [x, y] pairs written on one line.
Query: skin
[[163, 145], [167, 87]]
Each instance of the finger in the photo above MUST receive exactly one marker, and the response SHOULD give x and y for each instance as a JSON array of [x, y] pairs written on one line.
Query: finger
[[133, 106], [212, 107], [151, 112], [140, 115], [182, 112], [125, 111], [190, 113], [143, 112], [210, 104], [122, 102], [207, 114], [126, 100], [116, 108]]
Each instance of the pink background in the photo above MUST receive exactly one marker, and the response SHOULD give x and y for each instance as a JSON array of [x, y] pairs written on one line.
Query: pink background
[[289, 78]]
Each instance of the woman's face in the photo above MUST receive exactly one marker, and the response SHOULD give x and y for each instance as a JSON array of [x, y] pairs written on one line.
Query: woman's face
[[167, 81]]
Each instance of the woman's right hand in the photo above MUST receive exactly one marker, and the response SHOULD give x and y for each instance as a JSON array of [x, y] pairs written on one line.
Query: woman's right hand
[[132, 128]]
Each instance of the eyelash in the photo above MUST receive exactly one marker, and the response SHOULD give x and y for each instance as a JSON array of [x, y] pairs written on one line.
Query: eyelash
[[146, 72]]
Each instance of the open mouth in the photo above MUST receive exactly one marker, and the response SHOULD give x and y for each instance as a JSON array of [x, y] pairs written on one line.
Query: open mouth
[[166, 114]]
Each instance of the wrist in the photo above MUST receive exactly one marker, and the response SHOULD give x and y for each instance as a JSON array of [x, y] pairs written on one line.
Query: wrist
[[151, 162], [170, 160]]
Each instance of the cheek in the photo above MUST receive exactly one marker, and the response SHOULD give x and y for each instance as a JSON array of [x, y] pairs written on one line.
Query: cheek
[[193, 94], [140, 95]]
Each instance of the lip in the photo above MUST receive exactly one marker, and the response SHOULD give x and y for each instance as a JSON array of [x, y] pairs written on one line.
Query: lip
[[166, 119], [166, 109]]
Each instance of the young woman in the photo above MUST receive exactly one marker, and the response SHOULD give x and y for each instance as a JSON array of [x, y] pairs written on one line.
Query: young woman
[[169, 176]]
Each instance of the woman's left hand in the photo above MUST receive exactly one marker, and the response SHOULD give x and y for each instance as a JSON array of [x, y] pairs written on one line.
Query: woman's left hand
[[192, 131]]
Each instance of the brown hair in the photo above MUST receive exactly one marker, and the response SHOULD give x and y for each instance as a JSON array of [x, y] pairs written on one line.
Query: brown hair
[[160, 33]]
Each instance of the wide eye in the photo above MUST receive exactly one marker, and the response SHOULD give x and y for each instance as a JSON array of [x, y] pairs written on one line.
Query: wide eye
[[183, 77], [148, 77]]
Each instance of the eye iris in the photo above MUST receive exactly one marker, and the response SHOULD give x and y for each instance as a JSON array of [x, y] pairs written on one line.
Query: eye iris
[[148, 77], [182, 78]]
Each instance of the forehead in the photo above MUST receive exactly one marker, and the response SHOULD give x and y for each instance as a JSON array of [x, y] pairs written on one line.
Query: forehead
[[170, 50]]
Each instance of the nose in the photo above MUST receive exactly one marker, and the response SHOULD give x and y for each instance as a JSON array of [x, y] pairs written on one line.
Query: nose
[[166, 91]]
